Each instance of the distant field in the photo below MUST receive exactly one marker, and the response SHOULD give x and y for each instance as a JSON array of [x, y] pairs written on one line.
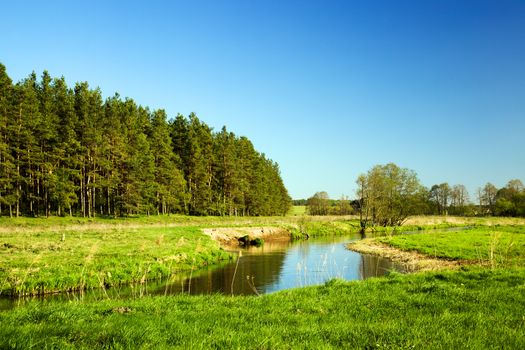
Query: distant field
[[28, 224], [462, 220], [298, 210]]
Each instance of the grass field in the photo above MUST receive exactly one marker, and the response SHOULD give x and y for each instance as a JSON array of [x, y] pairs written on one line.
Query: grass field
[[494, 246], [298, 210], [42, 255], [48, 261], [474, 309]]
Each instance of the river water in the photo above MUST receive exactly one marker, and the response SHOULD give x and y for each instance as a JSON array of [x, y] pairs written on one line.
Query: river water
[[272, 267]]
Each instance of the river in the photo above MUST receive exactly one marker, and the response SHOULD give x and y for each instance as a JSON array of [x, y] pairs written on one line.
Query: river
[[272, 267]]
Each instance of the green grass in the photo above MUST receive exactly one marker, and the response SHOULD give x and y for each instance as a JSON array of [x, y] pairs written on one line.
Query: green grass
[[53, 222], [335, 227], [48, 261], [473, 309], [298, 210], [388, 230], [101, 251], [314, 227], [500, 245]]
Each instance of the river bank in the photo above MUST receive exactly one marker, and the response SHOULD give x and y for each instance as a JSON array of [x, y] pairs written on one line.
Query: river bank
[[44, 261], [412, 261], [486, 246], [50, 255], [473, 309], [231, 236]]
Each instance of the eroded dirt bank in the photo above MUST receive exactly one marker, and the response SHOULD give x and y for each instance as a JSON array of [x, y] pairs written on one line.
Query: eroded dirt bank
[[229, 236]]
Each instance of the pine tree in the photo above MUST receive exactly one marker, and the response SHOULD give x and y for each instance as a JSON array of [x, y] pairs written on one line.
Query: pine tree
[[90, 113], [47, 141], [226, 174], [136, 190], [193, 143], [114, 153], [63, 190], [25, 145], [7, 165], [169, 180]]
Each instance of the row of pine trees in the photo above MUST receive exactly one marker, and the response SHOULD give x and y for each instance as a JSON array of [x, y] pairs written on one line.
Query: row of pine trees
[[68, 151]]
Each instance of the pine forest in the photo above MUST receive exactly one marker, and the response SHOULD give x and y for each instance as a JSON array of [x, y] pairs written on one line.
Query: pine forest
[[67, 151]]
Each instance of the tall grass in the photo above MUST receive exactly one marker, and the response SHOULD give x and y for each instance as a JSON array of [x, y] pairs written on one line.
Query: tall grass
[[473, 309], [36, 263]]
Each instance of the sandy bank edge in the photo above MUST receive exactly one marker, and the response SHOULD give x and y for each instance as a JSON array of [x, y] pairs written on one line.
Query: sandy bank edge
[[412, 261]]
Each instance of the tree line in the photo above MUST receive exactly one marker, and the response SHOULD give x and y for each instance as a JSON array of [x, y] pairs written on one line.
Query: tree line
[[388, 194], [67, 151], [321, 204]]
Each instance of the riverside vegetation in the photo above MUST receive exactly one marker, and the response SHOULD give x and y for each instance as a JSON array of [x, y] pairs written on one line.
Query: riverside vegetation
[[46, 255], [65, 260], [474, 307]]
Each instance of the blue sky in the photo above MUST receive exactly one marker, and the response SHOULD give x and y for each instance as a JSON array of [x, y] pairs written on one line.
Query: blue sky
[[327, 89]]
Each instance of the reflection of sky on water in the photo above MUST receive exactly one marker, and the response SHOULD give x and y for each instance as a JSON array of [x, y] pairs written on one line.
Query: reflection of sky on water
[[317, 261]]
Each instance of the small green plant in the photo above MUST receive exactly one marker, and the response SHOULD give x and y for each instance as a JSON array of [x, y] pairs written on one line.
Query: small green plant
[[258, 242]]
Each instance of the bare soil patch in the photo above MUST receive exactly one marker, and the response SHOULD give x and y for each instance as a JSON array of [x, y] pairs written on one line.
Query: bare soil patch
[[229, 236]]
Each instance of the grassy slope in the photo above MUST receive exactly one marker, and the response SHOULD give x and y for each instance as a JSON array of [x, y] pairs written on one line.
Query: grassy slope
[[43, 262], [476, 309]]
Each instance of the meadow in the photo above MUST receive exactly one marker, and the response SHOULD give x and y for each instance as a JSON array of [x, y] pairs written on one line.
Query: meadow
[[47, 255], [486, 245], [473, 307], [63, 260]]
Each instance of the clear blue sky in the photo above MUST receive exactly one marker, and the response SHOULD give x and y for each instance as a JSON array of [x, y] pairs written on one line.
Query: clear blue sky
[[325, 88]]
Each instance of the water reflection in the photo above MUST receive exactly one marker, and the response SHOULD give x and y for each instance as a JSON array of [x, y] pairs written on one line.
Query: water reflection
[[373, 266], [274, 266]]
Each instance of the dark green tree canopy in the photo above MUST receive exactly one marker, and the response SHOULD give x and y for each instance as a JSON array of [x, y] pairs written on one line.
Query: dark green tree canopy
[[67, 151]]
